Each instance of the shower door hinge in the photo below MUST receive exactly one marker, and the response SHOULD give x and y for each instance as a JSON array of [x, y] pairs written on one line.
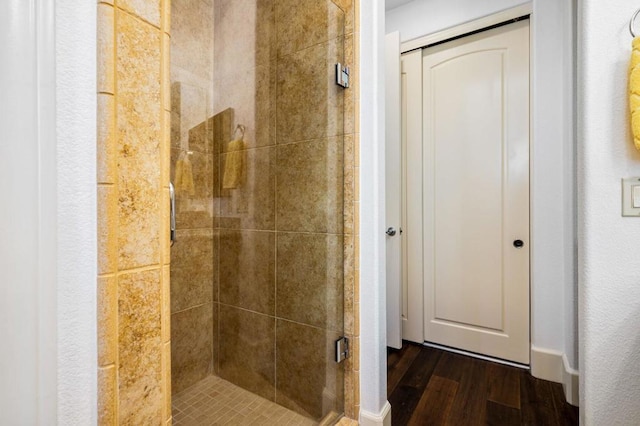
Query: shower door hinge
[[342, 75], [342, 349]]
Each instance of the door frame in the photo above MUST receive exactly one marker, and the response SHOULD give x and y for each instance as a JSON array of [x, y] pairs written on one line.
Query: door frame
[[458, 31], [29, 217], [467, 28]]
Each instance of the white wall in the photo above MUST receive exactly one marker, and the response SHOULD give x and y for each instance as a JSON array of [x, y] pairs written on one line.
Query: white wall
[[76, 198], [553, 284], [609, 263]]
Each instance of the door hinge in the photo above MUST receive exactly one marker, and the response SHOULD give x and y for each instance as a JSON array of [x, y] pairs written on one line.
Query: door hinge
[[342, 75], [342, 349]]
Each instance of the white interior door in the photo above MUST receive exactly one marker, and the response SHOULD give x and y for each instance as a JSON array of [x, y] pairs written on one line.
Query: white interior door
[[393, 190], [475, 193]]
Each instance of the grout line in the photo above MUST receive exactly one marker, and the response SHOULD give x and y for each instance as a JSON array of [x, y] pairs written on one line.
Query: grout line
[[191, 307], [328, 329], [270, 231], [139, 269], [275, 210], [284, 58], [139, 18]]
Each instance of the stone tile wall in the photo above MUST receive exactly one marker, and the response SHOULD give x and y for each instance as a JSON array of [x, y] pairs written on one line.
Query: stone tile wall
[[133, 209]]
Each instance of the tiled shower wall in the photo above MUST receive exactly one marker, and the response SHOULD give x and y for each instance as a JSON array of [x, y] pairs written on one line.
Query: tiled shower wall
[[281, 232], [286, 238], [133, 208], [192, 256]]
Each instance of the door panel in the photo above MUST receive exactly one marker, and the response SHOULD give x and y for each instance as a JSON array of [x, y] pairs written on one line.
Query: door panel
[[393, 201], [412, 306], [476, 192], [468, 188]]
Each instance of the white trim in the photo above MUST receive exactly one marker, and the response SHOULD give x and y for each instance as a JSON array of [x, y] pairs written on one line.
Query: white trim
[[552, 365], [373, 354], [546, 364], [570, 382], [380, 419], [467, 27]]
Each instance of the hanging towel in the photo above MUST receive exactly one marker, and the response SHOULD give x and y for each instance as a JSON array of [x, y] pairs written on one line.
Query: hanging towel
[[234, 165], [184, 175], [634, 91]]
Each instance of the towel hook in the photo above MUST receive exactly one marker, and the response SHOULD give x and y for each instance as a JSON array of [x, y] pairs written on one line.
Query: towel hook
[[242, 130], [632, 22]]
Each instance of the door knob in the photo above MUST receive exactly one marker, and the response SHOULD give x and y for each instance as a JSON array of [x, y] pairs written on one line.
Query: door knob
[[518, 243], [391, 231]]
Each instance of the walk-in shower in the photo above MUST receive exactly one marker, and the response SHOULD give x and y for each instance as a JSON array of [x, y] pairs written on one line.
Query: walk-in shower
[[257, 161]]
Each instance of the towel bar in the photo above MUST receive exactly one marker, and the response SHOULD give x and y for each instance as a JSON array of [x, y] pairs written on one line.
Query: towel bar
[[632, 21]]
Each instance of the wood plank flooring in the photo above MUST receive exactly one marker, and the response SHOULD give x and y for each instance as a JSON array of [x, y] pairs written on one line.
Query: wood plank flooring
[[428, 386]]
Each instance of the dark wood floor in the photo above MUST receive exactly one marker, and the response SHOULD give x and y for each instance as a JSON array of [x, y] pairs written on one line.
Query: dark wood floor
[[428, 386]]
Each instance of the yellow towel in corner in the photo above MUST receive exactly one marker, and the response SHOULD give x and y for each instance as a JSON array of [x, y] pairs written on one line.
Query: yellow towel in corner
[[634, 91], [234, 165]]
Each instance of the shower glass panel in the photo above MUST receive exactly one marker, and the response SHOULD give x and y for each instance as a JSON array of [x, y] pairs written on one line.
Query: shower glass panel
[[257, 136]]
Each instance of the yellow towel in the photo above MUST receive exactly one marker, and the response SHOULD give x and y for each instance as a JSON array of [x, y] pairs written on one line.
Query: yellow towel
[[234, 165], [184, 176], [634, 91]]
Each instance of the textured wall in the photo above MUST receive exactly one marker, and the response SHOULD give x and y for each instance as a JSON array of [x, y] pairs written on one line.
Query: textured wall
[[75, 114], [608, 244], [133, 206]]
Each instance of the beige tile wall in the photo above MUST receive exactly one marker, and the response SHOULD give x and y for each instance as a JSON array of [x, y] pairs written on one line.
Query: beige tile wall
[[133, 175]]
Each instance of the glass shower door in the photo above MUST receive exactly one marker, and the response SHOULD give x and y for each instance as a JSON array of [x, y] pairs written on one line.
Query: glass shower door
[[258, 129]]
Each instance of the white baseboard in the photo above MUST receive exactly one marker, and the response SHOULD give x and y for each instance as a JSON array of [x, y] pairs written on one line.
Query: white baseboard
[[553, 366], [570, 383], [372, 419]]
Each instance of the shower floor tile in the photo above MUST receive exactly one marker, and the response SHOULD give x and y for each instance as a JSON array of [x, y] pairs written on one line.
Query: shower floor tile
[[214, 401]]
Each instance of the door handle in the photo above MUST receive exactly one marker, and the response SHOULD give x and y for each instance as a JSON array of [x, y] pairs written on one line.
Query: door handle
[[391, 231], [518, 243], [172, 214]]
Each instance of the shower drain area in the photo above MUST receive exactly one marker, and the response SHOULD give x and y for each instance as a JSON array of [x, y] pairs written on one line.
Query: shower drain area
[[214, 401]]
